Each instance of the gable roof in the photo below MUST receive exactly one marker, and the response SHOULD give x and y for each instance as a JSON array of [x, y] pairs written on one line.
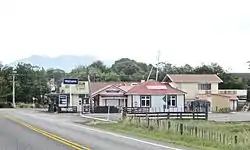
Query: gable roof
[[96, 86], [154, 88], [193, 78], [105, 88]]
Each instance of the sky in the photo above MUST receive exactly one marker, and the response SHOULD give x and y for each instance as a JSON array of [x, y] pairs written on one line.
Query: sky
[[193, 31]]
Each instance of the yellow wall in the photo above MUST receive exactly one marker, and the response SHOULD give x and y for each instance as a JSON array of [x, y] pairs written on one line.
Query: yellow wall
[[220, 102], [192, 89]]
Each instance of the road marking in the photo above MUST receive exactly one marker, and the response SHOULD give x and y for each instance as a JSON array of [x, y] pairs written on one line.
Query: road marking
[[49, 135], [109, 133], [126, 137]]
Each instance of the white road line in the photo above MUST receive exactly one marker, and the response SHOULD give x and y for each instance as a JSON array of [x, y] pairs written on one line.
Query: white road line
[[126, 137], [109, 133]]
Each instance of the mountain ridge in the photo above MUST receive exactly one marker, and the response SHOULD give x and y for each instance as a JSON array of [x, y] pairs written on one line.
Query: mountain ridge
[[65, 62]]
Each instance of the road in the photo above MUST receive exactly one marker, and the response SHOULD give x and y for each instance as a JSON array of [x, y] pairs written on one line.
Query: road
[[46, 129], [14, 136]]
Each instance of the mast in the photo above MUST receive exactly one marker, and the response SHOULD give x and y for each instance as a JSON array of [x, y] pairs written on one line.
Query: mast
[[157, 65]]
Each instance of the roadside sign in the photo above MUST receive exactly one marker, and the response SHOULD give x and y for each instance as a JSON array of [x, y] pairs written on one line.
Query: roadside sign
[[70, 81], [63, 101]]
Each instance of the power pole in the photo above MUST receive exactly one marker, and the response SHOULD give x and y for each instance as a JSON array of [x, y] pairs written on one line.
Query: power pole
[[13, 89], [157, 65]]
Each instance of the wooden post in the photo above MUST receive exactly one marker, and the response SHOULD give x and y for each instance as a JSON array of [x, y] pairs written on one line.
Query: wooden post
[[206, 111], [181, 129]]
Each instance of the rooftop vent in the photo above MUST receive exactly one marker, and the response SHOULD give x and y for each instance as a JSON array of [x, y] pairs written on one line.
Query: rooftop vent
[[157, 87]]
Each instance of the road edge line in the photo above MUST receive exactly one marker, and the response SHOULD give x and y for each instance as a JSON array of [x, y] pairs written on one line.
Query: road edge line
[[48, 134]]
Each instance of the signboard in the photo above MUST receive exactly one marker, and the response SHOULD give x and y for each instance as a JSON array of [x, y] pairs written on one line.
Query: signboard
[[70, 81], [63, 101]]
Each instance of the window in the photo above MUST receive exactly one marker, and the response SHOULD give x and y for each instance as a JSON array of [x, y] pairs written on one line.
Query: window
[[145, 101], [172, 101], [204, 86]]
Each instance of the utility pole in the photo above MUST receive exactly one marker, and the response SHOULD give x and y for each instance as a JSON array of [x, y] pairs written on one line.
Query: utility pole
[[157, 65], [13, 89], [90, 94]]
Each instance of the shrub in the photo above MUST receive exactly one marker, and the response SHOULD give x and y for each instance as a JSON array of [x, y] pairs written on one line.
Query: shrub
[[224, 110], [6, 105]]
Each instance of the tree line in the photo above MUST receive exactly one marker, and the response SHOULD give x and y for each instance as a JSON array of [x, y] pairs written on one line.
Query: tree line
[[32, 81]]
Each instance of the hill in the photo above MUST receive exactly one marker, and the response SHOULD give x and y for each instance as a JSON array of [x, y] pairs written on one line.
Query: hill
[[65, 62]]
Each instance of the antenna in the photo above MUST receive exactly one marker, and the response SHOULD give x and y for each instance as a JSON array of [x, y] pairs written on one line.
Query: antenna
[[150, 73], [157, 65]]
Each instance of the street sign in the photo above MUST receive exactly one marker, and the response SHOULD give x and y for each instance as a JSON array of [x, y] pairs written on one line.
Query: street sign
[[70, 81], [63, 101]]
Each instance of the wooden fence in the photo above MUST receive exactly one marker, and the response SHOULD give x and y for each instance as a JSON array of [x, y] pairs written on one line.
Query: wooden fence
[[144, 113], [192, 131]]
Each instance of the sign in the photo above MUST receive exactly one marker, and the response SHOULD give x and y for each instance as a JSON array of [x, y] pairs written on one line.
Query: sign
[[70, 81], [63, 101]]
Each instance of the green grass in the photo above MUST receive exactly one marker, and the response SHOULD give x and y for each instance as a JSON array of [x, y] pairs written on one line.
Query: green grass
[[160, 133]]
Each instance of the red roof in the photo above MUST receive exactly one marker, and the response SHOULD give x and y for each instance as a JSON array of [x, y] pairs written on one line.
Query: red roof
[[230, 96], [154, 88], [210, 78], [96, 86]]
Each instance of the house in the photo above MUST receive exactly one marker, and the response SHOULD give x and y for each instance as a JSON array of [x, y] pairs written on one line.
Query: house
[[156, 96], [205, 87], [152, 95], [194, 84], [110, 93], [80, 90]]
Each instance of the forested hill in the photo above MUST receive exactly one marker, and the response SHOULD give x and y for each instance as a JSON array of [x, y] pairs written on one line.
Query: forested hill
[[32, 80]]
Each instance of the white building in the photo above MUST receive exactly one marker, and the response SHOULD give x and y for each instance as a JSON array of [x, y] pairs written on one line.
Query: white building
[[157, 97], [80, 90]]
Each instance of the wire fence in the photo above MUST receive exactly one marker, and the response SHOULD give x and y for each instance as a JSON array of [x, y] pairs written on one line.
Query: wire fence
[[189, 130]]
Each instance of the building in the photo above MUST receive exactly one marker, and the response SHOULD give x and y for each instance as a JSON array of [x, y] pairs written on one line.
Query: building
[[194, 84], [80, 90], [156, 96], [110, 93], [152, 95], [205, 87]]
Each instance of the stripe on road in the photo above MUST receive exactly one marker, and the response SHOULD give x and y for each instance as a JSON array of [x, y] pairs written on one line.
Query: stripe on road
[[49, 135]]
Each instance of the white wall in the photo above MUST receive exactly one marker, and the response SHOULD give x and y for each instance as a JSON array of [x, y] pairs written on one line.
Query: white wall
[[81, 88], [233, 91], [233, 105], [157, 102]]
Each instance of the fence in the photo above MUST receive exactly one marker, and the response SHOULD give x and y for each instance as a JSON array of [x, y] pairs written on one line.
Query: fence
[[191, 131], [145, 113]]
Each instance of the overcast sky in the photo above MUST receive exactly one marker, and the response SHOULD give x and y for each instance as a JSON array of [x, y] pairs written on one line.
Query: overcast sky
[[186, 31]]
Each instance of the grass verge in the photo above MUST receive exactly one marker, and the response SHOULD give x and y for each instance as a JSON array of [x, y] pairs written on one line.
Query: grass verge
[[160, 134]]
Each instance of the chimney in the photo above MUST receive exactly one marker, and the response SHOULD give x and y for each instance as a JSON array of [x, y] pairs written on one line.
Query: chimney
[[142, 81]]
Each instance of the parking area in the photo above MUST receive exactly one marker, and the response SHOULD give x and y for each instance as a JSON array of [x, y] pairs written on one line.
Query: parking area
[[237, 116]]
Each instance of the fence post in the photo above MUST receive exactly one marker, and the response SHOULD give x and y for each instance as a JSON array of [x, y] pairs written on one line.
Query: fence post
[[181, 129], [147, 122], [196, 131], [158, 120], [169, 125], [206, 112], [235, 139]]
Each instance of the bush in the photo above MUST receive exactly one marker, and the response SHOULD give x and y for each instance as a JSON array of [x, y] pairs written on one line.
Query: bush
[[6, 105], [224, 110], [23, 105]]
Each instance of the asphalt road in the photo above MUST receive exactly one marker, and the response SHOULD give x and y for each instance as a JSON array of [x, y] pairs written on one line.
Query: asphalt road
[[14, 136], [63, 126]]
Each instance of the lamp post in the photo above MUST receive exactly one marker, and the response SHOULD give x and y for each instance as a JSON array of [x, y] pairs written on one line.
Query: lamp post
[[13, 88]]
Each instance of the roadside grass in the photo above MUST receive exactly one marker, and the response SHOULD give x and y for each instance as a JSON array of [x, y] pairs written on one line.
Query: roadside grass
[[222, 136]]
